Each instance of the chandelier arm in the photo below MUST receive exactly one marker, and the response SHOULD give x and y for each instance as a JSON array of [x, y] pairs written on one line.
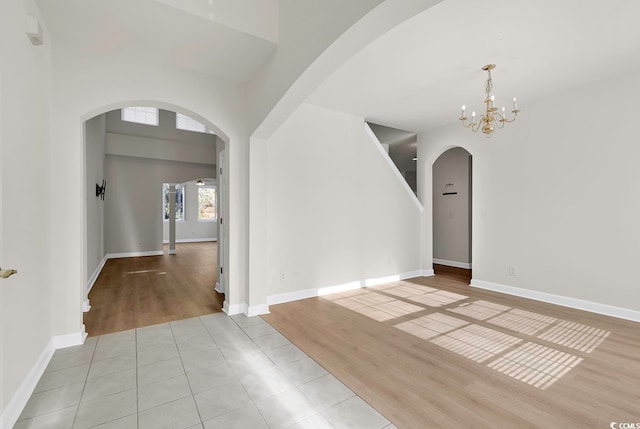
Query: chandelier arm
[[476, 125], [464, 118], [515, 115]]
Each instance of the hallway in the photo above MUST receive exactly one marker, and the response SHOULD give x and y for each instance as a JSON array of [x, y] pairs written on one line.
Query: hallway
[[135, 292]]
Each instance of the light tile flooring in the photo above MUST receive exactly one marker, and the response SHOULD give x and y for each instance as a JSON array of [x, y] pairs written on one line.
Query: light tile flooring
[[208, 372]]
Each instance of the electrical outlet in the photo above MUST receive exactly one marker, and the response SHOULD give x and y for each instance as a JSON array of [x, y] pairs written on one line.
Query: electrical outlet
[[281, 276], [512, 270]]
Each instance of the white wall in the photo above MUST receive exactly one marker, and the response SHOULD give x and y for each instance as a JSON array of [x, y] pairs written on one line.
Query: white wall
[[313, 42], [191, 229], [133, 204], [25, 200], [194, 152], [336, 211], [94, 153], [555, 194], [451, 213], [79, 97]]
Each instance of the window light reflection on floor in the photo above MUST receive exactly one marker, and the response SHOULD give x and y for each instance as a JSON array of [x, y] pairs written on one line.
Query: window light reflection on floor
[[377, 306], [408, 291], [347, 293], [349, 303], [535, 364], [437, 299], [576, 336], [431, 325], [480, 310], [399, 308], [375, 314], [476, 342], [522, 321]]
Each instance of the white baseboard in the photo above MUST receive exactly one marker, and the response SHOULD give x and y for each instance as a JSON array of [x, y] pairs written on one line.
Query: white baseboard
[[300, 294], [96, 273], [86, 305], [455, 264], [70, 340], [16, 404], [311, 293], [256, 310], [234, 308], [134, 254], [191, 240], [565, 301], [19, 399]]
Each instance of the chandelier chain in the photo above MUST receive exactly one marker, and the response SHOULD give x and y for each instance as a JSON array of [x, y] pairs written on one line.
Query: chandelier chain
[[488, 85]]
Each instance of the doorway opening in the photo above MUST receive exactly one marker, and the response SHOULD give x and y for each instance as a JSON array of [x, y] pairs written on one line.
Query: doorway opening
[[195, 212], [134, 152], [452, 211]]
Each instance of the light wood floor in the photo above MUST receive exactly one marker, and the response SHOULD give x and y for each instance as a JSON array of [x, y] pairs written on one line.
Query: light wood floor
[[135, 292], [508, 370]]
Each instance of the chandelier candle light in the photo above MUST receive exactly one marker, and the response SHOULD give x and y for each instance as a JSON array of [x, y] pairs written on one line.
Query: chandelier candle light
[[492, 119]]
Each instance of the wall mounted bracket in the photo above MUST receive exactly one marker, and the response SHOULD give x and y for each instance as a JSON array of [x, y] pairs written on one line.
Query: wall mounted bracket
[[100, 190]]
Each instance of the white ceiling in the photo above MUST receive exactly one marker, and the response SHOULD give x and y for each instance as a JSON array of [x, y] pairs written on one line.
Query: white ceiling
[[153, 32], [255, 17], [419, 74]]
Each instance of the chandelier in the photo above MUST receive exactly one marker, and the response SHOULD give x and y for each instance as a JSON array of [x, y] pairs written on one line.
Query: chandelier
[[492, 118]]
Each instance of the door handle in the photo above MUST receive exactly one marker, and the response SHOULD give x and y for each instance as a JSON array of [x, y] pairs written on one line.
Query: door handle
[[7, 273]]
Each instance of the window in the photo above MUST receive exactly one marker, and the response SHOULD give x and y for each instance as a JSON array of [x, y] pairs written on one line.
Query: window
[[183, 122], [141, 115], [179, 202], [207, 204]]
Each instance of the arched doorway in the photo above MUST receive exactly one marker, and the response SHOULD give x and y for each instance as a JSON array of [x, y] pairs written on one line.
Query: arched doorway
[[452, 211], [126, 221]]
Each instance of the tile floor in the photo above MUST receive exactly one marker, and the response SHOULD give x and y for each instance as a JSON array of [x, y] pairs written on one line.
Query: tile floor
[[208, 372]]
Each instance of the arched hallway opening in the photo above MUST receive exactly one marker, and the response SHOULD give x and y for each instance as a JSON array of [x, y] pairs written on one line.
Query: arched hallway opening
[[134, 277], [452, 209]]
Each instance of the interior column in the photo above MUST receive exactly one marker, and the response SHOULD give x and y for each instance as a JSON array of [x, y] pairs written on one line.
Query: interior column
[[172, 219]]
